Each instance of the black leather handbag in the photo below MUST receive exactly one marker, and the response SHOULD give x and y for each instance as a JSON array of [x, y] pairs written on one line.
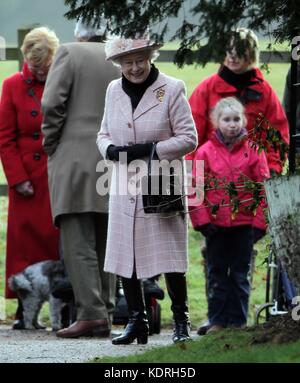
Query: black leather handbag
[[161, 193]]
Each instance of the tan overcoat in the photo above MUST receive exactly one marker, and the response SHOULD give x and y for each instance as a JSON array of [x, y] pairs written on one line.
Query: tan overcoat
[[73, 104], [155, 243]]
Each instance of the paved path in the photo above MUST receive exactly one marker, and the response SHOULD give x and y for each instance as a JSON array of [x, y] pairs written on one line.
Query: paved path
[[40, 346]]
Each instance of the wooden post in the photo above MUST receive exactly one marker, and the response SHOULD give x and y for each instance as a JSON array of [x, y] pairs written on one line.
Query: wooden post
[[21, 34], [283, 196], [3, 190]]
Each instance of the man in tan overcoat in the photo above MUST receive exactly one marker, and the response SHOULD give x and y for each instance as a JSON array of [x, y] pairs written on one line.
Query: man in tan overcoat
[[72, 105]]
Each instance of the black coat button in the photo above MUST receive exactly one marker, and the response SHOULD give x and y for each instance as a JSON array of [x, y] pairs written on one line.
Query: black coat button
[[34, 112], [36, 135], [30, 92], [37, 156]]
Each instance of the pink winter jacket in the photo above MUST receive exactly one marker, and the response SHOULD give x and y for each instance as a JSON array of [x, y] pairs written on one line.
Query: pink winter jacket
[[229, 166]]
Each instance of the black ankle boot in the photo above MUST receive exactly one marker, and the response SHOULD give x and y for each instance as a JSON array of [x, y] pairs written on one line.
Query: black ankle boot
[[137, 327], [182, 329], [177, 289]]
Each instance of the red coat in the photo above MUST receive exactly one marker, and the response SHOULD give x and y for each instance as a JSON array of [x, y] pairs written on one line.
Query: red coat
[[212, 89], [31, 236], [222, 164]]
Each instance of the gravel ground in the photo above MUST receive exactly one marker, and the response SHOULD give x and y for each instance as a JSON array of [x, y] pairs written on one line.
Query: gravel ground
[[40, 346]]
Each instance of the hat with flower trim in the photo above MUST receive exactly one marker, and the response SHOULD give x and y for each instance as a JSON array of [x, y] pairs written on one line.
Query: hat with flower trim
[[120, 46]]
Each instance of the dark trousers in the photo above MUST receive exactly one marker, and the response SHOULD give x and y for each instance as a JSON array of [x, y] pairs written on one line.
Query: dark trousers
[[177, 290], [83, 238], [228, 264]]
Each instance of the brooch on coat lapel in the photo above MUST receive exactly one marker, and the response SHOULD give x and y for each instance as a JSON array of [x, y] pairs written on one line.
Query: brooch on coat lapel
[[160, 94]]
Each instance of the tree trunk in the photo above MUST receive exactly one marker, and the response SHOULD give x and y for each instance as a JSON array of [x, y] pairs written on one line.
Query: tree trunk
[[283, 196]]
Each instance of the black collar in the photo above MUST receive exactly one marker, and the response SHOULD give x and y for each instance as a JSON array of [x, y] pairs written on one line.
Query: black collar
[[239, 81]]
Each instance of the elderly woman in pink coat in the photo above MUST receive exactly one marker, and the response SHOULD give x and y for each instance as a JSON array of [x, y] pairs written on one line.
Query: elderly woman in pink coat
[[144, 107]]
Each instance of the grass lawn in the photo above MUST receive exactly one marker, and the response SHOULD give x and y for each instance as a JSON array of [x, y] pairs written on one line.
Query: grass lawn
[[2, 176], [191, 76], [228, 346], [7, 68]]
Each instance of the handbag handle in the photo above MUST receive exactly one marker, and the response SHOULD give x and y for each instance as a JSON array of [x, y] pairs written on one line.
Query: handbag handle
[[153, 151]]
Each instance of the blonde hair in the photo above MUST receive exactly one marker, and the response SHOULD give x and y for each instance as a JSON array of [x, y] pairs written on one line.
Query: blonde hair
[[228, 102], [246, 41], [39, 45]]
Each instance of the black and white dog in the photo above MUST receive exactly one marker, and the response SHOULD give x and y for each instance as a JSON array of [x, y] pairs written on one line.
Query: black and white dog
[[33, 286]]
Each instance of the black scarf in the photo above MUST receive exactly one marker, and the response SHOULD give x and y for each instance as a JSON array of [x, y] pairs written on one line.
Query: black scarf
[[136, 91], [239, 81]]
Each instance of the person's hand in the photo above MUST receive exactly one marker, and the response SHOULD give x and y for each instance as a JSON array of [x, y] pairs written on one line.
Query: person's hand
[[137, 151], [134, 152], [25, 188], [258, 234], [113, 152], [208, 230]]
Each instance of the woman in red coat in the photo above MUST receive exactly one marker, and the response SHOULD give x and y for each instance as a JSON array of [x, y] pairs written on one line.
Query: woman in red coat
[[239, 77], [31, 236]]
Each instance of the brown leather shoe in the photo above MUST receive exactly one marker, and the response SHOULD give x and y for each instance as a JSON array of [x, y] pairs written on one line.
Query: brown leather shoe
[[99, 328]]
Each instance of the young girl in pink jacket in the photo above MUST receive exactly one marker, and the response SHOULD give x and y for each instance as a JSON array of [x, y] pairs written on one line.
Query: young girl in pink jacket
[[228, 216]]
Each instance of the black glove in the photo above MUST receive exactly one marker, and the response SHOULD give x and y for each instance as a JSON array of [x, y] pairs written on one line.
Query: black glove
[[208, 230], [113, 152], [134, 152], [258, 234]]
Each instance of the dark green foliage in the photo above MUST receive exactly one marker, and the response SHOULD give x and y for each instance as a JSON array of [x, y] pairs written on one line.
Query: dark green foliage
[[201, 41], [266, 136]]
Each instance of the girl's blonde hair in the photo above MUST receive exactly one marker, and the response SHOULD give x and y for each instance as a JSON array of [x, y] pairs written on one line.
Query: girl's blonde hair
[[228, 102], [39, 45]]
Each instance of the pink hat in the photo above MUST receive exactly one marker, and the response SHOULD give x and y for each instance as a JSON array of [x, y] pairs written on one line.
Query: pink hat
[[119, 46]]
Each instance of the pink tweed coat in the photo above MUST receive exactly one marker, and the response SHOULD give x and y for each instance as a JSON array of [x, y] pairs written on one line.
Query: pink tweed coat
[[153, 243]]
